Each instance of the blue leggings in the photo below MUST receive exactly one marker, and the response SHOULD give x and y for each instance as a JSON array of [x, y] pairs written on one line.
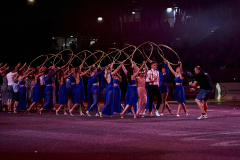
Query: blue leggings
[[95, 93]]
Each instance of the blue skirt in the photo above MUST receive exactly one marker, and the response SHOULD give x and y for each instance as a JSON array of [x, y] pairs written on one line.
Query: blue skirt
[[63, 95], [163, 88], [89, 97], [179, 94], [37, 93], [79, 94], [22, 103], [117, 99], [48, 96], [108, 108], [69, 90], [131, 97], [103, 92]]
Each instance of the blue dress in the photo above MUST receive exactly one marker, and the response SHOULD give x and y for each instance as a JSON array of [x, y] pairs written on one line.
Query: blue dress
[[132, 96], [179, 94], [89, 93], [22, 103], [69, 88], [108, 108], [79, 93], [63, 94], [117, 96], [48, 92], [73, 86], [37, 93], [163, 79], [104, 85]]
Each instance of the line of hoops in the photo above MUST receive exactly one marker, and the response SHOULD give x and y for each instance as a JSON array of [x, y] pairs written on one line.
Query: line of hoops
[[113, 55]]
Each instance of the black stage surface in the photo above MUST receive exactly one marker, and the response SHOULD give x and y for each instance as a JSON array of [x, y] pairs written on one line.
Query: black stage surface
[[32, 136]]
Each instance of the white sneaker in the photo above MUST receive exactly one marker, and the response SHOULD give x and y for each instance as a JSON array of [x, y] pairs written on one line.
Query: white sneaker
[[178, 115], [203, 116], [161, 114], [156, 113]]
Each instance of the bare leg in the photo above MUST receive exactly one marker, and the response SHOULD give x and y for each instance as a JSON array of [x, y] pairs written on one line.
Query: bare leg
[[15, 105], [205, 106], [69, 103], [134, 114], [59, 108], [70, 111], [126, 108], [179, 108], [163, 102], [31, 106], [9, 104], [200, 105], [80, 110], [169, 109], [184, 108]]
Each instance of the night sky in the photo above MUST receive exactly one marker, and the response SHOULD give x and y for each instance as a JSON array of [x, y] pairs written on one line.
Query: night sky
[[27, 29]]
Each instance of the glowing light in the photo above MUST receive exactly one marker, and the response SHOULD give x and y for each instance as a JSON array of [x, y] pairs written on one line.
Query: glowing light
[[169, 10], [71, 36], [31, 1], [100, 18], [176, 7], [133, 12]]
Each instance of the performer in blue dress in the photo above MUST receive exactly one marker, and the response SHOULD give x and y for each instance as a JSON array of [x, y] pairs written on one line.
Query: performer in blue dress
[[37, 93], [95, 89], [63, 93], [179, 94], [108, 108], [89, 93], [117, 79], [22, 103], [132, 98], [73, 85], [103, 87], [163, 77], [80, 92], [48, 105]]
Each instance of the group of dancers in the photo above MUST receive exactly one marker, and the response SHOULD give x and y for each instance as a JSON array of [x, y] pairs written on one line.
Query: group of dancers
[[143, 85]]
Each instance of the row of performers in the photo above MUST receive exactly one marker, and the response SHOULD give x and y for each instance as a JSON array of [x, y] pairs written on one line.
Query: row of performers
[[143, 85]]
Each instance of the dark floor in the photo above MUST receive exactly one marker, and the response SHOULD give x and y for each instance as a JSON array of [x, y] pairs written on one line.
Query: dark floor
[[33, 136]]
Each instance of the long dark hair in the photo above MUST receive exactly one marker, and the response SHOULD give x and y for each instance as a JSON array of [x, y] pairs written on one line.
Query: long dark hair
[[129, 74], [60, 75], [92, 69], [46, 71]]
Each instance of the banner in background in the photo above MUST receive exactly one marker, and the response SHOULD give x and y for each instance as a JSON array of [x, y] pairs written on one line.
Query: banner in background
[[227, 91]]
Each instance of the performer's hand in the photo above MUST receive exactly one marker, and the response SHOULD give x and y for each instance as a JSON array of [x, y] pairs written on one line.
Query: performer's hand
[[179, 62], [62, 67], [165, 61], [144, 62]]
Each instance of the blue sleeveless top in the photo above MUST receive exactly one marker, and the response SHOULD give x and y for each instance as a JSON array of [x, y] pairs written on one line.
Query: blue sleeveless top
[[38, 82], [80, 81], [72, 79], [133, 82], [22, 83], [64, 82], [178, 80], [111, 82], [116, 81]]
